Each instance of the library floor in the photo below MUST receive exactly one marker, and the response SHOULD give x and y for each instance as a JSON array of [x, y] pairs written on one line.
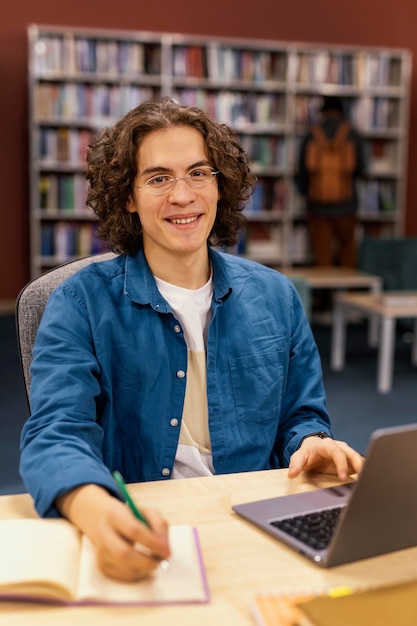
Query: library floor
[[353, 401]]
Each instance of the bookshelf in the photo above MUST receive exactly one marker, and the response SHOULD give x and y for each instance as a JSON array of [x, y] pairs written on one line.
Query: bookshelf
[[268, 91]]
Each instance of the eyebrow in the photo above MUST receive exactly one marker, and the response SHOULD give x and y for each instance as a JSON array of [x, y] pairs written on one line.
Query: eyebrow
[[155, 169]]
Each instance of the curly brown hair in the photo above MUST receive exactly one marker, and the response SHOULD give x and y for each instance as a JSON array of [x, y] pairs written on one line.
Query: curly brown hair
[[112, 168]]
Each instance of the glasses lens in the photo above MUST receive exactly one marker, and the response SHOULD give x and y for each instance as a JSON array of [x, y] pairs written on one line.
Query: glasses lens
[[160, 183], [200, 177]]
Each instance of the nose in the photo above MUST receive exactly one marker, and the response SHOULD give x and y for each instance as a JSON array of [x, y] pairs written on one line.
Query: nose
[[181, 191]]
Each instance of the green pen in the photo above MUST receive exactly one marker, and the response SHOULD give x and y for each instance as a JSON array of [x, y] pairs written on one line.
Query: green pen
[[118, 479]]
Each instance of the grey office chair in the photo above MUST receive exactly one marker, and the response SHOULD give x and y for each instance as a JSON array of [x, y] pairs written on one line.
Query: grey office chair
[[304, 291], [31, 302]]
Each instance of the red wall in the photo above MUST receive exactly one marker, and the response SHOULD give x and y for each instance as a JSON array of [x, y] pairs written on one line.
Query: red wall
[[358, 22]]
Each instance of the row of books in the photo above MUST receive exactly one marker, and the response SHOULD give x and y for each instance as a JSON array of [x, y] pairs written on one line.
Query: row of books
[[236, 108], [382, 113], [100, 56], [376, 196], [96, 56], [268, 245], [258, 242], [307, 110], [365, 113], [265, 151], [75, 101], [264, 242], [66, 240], [231, 64], [299, 245], [383, 155], [359, 69], [67, 54], [64, 145], [66, 192], [269, 195]]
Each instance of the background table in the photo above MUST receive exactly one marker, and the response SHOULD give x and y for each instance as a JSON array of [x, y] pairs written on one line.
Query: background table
[[387, 311], [337, 279], [240, 560]]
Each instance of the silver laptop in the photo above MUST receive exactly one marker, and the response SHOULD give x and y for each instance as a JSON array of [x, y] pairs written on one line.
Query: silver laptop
[[374, 515]]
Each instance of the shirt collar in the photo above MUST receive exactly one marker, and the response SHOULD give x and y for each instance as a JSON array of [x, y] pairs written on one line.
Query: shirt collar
[[140, 285]]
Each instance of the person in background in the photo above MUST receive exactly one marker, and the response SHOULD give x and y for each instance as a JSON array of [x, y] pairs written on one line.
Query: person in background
[[332, 157], [173, 359]]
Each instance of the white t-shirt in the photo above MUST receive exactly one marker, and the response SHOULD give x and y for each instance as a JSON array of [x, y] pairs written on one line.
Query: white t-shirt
[[192, 309]]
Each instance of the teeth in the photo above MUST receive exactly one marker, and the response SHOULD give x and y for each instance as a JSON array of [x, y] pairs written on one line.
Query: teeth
[[186, 220]]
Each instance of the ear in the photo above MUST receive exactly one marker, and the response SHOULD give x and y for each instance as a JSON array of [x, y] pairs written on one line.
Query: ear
[[131, 205]]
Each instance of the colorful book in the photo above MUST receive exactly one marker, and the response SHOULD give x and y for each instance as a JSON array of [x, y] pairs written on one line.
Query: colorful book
[[384, 605], [287, 609]]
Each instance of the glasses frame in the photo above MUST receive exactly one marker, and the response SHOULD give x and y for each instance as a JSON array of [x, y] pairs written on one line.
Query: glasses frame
[[174, 179]]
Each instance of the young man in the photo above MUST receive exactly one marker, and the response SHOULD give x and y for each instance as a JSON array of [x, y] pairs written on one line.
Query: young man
[[173, 359]]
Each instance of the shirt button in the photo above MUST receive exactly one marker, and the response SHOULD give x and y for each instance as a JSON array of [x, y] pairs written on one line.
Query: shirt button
[[166, 471], [174, 422], [180, 374], [177, 328]]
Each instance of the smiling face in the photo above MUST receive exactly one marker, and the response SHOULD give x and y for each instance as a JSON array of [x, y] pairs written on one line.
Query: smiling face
[[176, 224]]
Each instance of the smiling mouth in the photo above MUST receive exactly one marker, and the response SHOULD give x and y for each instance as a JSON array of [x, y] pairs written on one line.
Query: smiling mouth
[[184, 220]]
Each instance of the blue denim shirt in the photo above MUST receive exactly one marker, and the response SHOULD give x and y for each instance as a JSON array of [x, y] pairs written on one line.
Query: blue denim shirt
[[109, 376]]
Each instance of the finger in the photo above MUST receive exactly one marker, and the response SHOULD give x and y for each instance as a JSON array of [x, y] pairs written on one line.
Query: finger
[[330, 455], [120, 560], [116, 555], [157, 523], [355, 460], [117, 535], [325, 455], [322, 455], [155, 537], [298, 462], [340, 462]]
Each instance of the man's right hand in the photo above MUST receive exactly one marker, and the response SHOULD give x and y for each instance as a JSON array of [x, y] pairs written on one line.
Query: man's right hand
[[115, 531]]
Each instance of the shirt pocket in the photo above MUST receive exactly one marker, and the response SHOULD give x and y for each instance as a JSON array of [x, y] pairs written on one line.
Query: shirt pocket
[[257, 382]]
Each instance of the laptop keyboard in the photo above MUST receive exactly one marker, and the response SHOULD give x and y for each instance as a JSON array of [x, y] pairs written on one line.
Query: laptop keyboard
[[314, 529]]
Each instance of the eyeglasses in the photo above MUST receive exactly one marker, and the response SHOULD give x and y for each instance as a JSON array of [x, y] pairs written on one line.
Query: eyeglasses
[[164, 183]]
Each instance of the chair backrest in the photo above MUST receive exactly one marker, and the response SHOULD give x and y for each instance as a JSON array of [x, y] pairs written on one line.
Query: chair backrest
[[31, 302], [394, 259], [382, 256], [304, 291]]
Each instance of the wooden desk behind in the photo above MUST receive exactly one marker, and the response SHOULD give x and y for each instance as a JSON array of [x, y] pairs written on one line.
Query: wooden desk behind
[[386, 308], [240, 560], [335, 278], [340, 279]]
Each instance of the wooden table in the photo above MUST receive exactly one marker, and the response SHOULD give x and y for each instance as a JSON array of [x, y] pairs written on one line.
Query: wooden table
[[240, 560], [386, 308], [335, 278], [339, 279]]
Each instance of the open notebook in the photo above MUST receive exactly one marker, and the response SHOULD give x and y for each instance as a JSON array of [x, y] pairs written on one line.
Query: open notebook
[[353, 521], [50, 561]]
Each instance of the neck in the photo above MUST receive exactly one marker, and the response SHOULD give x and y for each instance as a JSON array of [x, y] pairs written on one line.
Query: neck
[[189, 272]]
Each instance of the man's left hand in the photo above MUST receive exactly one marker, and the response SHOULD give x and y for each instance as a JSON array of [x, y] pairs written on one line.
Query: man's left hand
[[327, 456]]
